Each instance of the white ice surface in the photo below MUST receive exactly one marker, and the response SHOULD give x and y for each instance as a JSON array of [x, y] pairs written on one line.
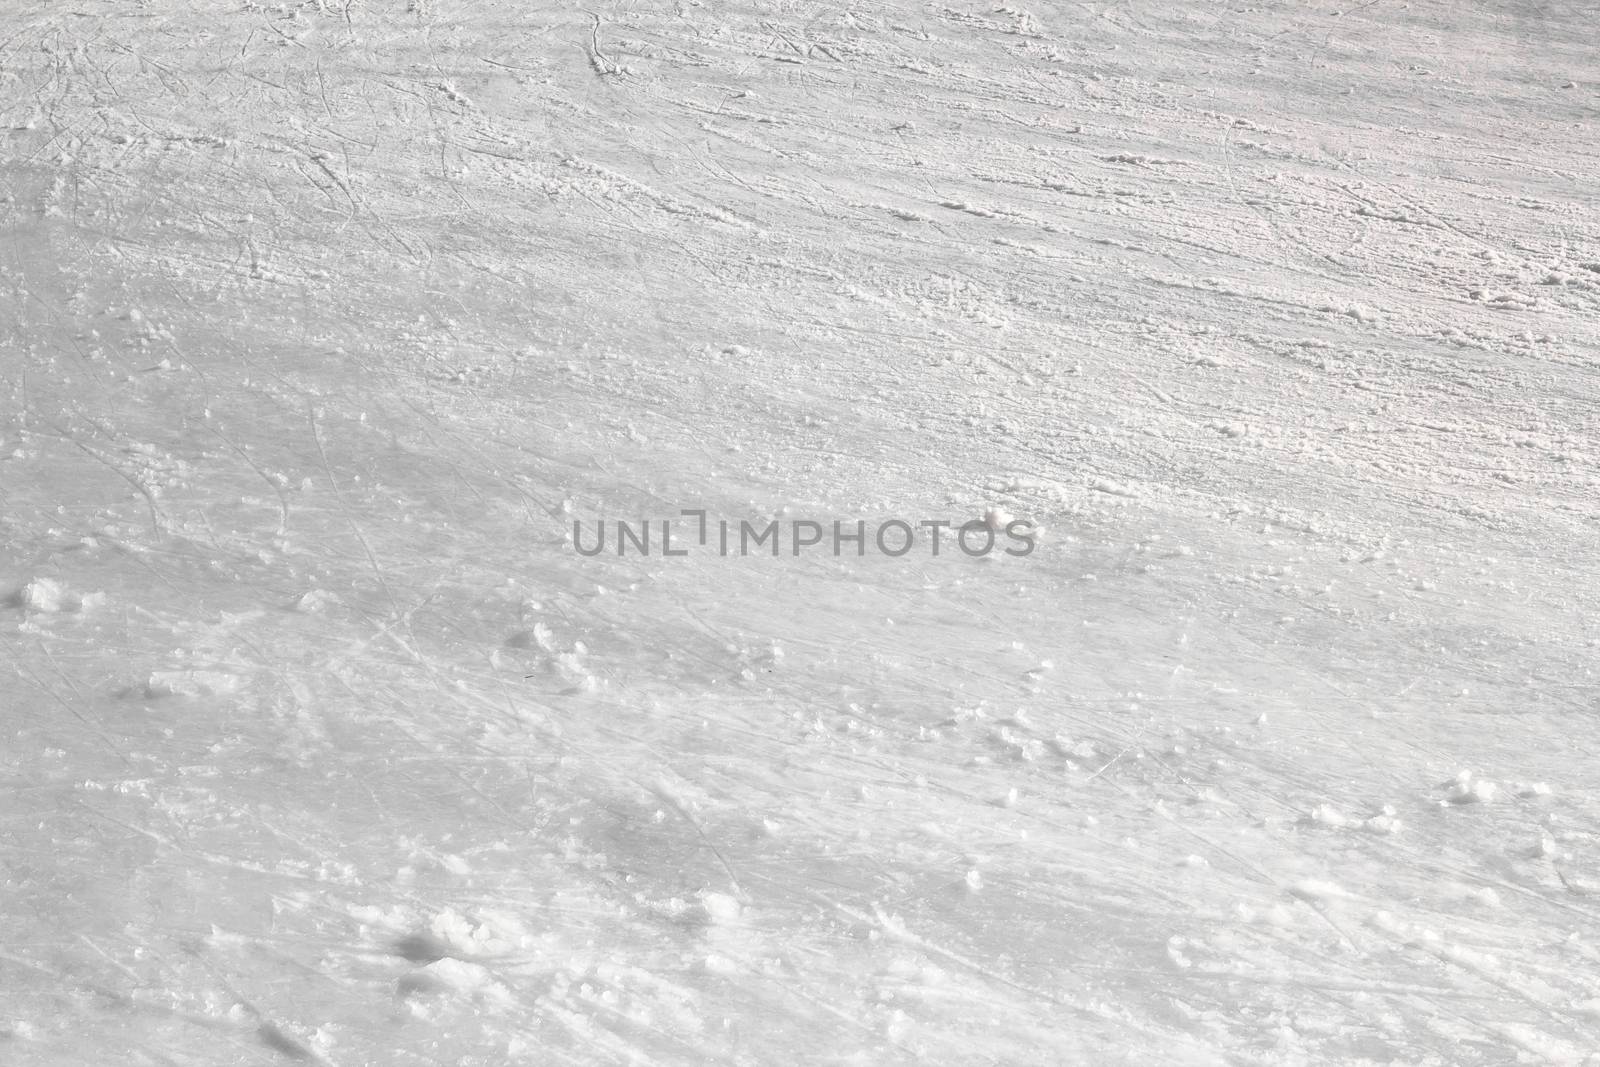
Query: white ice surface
[[320, 323]]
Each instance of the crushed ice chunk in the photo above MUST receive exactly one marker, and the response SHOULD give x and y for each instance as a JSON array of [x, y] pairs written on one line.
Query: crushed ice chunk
[[1468, 789], [45, 597]]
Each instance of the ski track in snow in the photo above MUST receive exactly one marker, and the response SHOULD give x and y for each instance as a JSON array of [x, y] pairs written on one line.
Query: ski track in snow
[[322, 321]]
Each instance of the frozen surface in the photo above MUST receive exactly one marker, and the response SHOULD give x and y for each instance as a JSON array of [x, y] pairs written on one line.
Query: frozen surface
[[320, 324]]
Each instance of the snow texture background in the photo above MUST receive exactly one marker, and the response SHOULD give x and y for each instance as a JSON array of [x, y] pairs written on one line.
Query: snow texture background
[[322, 322]]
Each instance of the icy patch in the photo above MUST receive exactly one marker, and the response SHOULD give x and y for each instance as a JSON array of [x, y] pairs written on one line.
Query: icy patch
[[192, 683], [1317, 889]]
